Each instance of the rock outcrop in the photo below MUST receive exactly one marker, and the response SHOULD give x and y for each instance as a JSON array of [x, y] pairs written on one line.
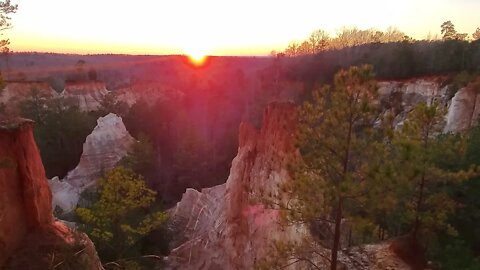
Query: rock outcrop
[[25, 199], [15, 92], [25, 204], [222, 227], [108, 143], [87, 95], [464, 109], [402, 96], [415, 90], [372, 257]]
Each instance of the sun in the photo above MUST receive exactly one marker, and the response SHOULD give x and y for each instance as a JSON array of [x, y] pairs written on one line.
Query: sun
[[197, 58], [197, 55]]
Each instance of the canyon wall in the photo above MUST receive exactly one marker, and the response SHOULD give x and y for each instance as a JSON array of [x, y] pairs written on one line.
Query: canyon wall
[[25, 199], [108, 143], [224, 227], [415, 90], [15, 92], [26, 205], [87, 95], [464, 110]]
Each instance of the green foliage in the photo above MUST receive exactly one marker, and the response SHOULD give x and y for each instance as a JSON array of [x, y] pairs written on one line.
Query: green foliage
[[183, 131], [121, 217], [398, 60], [110, 104], [141, 156], [455, 254], [342, 155], [422, 192], [462, 247], [385, 182], [60, 131]]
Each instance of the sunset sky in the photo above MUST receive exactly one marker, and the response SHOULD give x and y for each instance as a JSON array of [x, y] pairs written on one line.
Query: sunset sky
[[217, 27]]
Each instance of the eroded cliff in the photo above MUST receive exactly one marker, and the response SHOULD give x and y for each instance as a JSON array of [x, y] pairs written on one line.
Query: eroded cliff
[[87, 95], [108, 143], [25, 200], [15, 92], [464, 109], [222, 227], [25, 205]]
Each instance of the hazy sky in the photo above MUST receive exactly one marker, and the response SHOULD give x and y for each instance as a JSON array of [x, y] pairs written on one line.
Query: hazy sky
[[221, 27]]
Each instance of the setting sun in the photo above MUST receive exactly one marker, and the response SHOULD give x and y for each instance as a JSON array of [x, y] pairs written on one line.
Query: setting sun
[[197, 58]]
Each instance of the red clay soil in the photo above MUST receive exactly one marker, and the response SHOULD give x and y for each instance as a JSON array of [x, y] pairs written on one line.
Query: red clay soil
[[410, 251]]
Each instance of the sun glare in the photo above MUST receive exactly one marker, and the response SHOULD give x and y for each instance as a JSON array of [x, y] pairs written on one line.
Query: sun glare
[[197, 58]]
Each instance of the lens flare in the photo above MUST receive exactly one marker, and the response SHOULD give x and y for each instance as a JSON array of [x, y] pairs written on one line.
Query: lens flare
[[197, 58]]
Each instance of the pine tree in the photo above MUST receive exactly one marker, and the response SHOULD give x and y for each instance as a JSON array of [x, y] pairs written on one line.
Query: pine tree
[[448, 31], [120, 217], [342, 144], [420, 148]]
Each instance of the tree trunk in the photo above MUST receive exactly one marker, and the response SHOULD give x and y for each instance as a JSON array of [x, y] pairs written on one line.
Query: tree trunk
[[336, 239], [419, 209]]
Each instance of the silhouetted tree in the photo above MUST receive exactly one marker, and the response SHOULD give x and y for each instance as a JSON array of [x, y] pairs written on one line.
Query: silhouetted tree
[[448, 31], [6, 8]]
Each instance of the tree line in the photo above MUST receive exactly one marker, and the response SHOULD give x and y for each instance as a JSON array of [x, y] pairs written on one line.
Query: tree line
[[320, 40]]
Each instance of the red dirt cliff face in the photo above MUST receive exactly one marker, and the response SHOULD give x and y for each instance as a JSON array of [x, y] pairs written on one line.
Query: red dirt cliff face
[[25, 198], [227, 226]]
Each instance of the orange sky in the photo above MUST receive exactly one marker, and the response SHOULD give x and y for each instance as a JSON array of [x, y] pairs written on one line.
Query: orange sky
[[218, 27]]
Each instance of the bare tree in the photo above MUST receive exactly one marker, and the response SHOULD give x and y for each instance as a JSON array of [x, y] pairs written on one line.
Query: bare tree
[[6, 8]]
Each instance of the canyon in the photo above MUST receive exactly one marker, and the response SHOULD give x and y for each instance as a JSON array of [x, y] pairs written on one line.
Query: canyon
[[225, 226]]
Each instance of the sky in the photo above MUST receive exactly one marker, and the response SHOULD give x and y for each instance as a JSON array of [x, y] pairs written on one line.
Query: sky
[[217, 27]]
